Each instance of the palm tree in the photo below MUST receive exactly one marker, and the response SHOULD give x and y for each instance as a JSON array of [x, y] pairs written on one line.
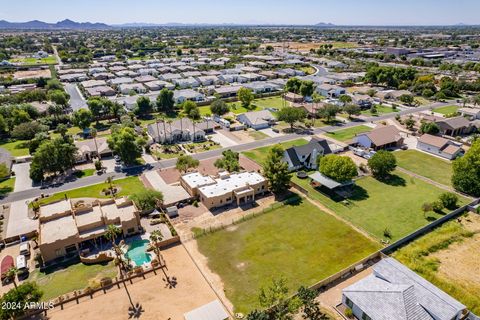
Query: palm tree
[[155, 238], [169, 121], [110, 183], [11, 274], [164, 129], [93, 132], [158, 129]]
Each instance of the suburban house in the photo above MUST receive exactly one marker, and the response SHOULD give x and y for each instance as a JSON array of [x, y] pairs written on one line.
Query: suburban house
[[64, 230], [180, 96], [472, 113], [87, 149], [380, 138], [180, 130], [210, 311], [126, 88], [439, 146], [330, 91], [391, 94], [227, 91], [257, 119], [293, 97], [454, 126], [240, 188], [306, 156], [364, 101], [395, 292]]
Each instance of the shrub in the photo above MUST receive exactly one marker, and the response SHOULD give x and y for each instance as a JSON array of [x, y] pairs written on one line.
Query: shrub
[[349, 313], [387, 233], [449, 200], [437, 206]]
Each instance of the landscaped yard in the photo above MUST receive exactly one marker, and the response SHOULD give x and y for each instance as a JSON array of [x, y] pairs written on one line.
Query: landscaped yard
[[260, 154], [18, 148], [381, 109], [201, 146], [260, 104], [445, 257], [349, 133], [127, 187], [257, 135], [74, 277], [375, 206], [84, 173], [6, 186], [425, 165], [446, 110], [297, 241]]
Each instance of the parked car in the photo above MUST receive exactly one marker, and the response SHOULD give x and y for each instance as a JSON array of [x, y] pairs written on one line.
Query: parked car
[[25, 249]]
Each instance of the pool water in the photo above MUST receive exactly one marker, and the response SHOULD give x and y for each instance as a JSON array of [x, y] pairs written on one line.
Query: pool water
[[137, 252]]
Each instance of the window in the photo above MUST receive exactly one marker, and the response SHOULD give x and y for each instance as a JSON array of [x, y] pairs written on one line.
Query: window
[[365, 316], [349, 302], [131, 230], [58, 253]]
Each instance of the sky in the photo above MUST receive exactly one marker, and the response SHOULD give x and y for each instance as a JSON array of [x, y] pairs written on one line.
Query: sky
[[302, 12]]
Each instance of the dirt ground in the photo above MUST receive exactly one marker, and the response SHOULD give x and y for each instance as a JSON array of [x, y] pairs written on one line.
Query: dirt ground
[[158, 302], [172, 175], [460, 262], [239, 136], [29, 74]]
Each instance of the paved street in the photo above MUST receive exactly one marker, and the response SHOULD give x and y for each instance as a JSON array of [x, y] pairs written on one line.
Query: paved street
[[76, 99], [22, 176], [167, 163]]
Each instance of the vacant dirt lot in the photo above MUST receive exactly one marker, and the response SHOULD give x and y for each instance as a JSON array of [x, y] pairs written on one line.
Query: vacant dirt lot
[[172, 175], [32, 74], [159, 302], [461, 261]]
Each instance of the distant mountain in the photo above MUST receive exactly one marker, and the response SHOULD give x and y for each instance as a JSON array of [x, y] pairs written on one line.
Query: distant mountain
[[323, 24], [65, 24]]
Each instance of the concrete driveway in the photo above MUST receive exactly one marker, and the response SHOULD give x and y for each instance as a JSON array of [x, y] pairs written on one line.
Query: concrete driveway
[[222, 139], [269, 132], [22, 176], [18, 221]]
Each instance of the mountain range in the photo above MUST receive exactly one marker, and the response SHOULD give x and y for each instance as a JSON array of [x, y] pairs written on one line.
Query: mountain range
[[65, 24]]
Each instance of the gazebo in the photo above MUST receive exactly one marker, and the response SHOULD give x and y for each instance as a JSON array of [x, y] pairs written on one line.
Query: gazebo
[[332, 185]]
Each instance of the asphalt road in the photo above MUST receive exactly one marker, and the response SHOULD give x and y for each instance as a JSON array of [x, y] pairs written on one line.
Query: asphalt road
[[168, 163], [77, 101]]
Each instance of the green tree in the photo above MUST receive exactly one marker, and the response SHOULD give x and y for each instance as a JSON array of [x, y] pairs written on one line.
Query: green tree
[[291, 115], [382, 164], [307, 88], [147, 199], [190, 108], [116, 110], [258, 315], [229, 161], [345, 99], [352, 110], [58, 97], [245, 96], [95, 106], [82, 118], [276, 170], [328, 112], [429, 127], [310, 307], [127, 144], [52, 156], [338, 168], [293, 85], [275, 300], [165, 100], [28, 130], [26, 293], [219, 107], [143, 106], [466, 171], [156, 237], [449, 200], [406, 98], [185, 162]]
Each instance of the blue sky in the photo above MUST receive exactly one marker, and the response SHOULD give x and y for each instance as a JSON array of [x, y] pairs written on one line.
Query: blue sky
[[342, 12]]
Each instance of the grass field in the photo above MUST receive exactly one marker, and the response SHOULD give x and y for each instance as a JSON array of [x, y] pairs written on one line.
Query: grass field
[[422, 257], [7, 186], [381, 109], [425, 165], [446, 110], [34, 61], [297, 241], [18, 148], [349, 133], [74, 277], [260, 154], [127, 187], [260, 104], [375, 206], [84, 173]]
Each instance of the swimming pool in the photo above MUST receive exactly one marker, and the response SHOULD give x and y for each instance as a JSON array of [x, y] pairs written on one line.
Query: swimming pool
[[137, 252]]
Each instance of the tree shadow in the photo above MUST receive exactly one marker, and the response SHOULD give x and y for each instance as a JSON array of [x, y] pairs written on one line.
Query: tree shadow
[[358, 194], [393, 180]]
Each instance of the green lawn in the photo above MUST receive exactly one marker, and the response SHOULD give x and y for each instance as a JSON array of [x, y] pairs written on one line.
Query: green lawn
[[84, 173], [446, 110], [260, 154], [74, 277], [297, 241], [349, 133], [260, 104], [381, 109], [416, 256], [425, 165], [375, 206], [127, 187], [32, 61], [257, 135], [18, 148], [7, 186]]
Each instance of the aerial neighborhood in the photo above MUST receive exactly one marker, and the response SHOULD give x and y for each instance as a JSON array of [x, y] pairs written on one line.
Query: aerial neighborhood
[[258, 172]]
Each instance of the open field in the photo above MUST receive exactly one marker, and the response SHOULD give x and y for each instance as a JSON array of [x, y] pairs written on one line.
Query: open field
[[446, 110], [6, 186], [375, 206], [306, 46], [34, 61], [127, 186], [425, 165], [349, 133], [297, 241], [260, 154], [32, 74], [381, 109], [260, 104], [18, 148], [74, 277], [446, 257]]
